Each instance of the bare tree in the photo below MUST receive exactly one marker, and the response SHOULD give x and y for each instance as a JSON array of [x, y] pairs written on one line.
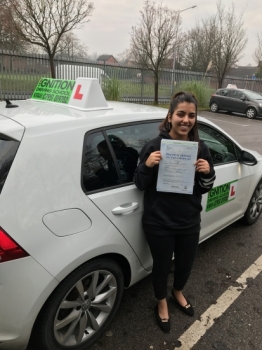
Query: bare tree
[[257, 55], [153, 39], [200, 41], [43, 23], [230, 41], [71, 46], [125, 56], [8, 39]]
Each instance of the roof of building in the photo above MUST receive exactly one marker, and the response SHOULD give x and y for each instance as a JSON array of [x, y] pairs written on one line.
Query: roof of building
[[242, 71], [104, 57]]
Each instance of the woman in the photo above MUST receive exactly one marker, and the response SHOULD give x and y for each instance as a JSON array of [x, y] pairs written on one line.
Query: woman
[[171, 221]]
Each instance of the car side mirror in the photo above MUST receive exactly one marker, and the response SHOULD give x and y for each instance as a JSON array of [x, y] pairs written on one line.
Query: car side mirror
[[247, 158], [243, 98]]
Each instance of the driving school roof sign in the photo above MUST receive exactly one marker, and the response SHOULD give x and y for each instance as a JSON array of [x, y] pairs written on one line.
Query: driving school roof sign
[[84, 93], [54, 90]]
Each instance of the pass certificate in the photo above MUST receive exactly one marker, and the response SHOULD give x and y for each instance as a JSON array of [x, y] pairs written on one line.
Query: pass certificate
[[176, 169]]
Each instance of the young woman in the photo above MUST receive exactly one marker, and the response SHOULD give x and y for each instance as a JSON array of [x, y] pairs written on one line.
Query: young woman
[[171, 221]]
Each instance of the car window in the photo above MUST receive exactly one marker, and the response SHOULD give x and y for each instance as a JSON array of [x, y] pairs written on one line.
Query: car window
[[253, 95], [222, 92], [237, 94], [221, 148], [111, 155], [8, 150]]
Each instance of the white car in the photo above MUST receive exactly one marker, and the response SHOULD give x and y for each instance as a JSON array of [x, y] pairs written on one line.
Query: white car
[[70, 216]]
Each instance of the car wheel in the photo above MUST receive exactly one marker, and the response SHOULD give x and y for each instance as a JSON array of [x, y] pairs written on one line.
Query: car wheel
[[254, 208], [214, 107], [251, 113], [81, 307]]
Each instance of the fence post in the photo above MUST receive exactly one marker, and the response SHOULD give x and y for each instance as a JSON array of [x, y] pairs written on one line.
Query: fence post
[[142, 85]]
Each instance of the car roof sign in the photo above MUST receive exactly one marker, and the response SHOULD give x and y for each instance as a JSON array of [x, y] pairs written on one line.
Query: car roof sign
[[88, 95], [232, 86], [84, 93]]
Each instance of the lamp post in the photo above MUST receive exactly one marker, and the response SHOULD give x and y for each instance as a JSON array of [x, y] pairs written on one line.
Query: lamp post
[[174, 61]]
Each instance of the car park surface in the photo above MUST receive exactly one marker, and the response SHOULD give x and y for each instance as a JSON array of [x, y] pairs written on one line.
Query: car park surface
[[77, 234], [238, 101]]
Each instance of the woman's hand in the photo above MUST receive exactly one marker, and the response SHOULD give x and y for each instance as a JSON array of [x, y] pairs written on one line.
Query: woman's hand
[[202, 166], [153, 159]]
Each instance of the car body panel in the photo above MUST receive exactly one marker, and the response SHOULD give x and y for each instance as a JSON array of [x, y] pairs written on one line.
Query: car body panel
[[23, 291]]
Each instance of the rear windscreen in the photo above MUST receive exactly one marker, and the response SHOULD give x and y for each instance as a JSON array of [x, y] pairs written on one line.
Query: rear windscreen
[[8, 150]]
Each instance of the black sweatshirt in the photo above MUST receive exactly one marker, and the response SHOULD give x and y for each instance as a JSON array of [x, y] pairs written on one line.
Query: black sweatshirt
[[164, 211]]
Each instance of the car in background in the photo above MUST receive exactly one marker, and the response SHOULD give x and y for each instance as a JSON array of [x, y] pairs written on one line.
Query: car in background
[[71, 237], [237, 100]]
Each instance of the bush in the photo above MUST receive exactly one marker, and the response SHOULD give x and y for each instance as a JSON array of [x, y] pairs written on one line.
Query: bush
[[201, 90], [112, 90]]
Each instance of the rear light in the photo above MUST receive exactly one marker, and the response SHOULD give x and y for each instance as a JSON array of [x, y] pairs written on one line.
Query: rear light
[[9, 249]]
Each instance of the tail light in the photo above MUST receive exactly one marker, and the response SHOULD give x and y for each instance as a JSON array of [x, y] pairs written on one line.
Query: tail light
[[9, 249]]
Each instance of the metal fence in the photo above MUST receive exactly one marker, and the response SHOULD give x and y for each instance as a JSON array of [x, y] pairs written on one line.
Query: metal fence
[[20, 73]]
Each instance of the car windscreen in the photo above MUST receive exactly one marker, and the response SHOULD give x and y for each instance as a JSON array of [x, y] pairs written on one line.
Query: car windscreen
[[253, 95], [8, 150]]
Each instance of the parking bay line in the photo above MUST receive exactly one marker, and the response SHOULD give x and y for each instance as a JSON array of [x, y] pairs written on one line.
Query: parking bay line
[[207, 319], [224, 121]]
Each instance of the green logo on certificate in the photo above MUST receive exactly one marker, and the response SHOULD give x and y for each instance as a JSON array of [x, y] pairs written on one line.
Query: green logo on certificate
[[221, 195], [54, 90]]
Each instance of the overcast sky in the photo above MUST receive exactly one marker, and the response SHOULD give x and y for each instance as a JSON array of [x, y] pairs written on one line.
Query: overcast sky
[[108, 31]]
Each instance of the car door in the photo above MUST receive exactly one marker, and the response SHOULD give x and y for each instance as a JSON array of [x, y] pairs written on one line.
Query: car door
[[238, 103], [223, 98], [110, 158], [225, 203]]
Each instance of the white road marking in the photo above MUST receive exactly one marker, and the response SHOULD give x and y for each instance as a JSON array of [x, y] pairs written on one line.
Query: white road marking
[[224, 121], [207, 319]]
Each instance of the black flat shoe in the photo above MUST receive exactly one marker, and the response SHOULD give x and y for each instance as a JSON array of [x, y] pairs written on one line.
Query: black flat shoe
[[188, 309], [163, 323]]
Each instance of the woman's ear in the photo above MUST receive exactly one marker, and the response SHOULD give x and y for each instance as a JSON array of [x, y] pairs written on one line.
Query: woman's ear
[[169, 117]]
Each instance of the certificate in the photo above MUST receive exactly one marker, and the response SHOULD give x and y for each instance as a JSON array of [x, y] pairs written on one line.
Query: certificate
[[176, 169]]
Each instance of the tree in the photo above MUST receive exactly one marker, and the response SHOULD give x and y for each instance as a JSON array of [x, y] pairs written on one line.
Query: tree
[[257, 55], [44, 23], [197, 53], [71, 46], [125, 56], [8, 39], [229, 41], [153, 39]]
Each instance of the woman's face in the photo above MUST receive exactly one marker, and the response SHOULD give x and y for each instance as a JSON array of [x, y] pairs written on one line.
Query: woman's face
[[182, 120]]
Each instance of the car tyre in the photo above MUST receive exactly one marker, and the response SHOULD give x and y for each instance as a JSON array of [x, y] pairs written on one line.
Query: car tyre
[[251, 113], [214, 107], [254, 208], [81, 307]]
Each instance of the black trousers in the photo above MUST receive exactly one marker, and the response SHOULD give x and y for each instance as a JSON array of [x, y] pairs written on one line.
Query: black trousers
[[184, 246]]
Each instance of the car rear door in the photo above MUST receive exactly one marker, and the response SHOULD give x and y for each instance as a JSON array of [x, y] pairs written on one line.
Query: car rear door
[[108, 180]]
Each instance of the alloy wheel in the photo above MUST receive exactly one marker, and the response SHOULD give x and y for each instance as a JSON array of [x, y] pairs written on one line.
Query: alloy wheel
[[251, 113], [85, 308], [256, 203]]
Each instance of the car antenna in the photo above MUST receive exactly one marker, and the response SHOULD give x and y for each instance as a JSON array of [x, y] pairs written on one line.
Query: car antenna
[[9, 104]]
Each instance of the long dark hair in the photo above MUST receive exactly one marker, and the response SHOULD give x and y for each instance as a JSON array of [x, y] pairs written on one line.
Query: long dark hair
[[181, 97]]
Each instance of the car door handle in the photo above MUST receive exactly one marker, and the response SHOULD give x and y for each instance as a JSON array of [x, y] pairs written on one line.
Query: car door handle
[[125, 208]]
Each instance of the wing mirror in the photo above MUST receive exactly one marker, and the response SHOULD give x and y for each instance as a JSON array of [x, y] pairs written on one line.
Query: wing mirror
[[247, 158]]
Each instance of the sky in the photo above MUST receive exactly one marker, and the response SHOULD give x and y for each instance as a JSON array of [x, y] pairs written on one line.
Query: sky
[[109, 28]]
